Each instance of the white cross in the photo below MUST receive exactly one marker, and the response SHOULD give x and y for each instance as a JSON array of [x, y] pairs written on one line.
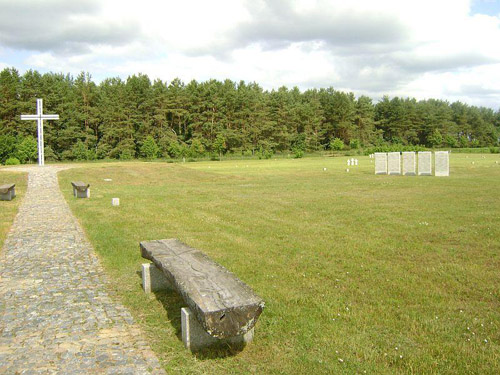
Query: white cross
[[39, 117]]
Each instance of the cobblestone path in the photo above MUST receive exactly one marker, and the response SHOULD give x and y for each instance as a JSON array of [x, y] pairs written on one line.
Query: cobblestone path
[[55, 314]]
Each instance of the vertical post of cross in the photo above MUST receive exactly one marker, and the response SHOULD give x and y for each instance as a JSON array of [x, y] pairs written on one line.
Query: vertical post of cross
[[39, 117], [39, 111]]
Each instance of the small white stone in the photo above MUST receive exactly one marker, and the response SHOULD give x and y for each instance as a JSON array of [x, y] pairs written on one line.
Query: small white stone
[[115, 201], [324, 169], [347, 170]]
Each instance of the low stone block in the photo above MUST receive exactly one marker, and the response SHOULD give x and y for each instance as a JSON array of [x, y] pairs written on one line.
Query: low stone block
[[7, 192], [409, 163], [196, 338], [441, 163], [425, 163], [394, 163], [380, 163], [153, 279], [81, 189]]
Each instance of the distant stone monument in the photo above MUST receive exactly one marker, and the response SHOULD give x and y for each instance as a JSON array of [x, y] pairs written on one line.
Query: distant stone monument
[[409, 163], [441, 163], [393, 163], [39, 117], [380, 163], [425, 163]]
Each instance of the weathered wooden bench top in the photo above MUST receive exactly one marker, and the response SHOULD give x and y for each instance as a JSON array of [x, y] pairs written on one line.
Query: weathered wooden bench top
[[80, 186], [4, 189], [223, 304]]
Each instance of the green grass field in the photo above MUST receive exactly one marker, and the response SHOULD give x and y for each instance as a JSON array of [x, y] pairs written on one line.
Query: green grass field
[[8, 209], [360, 273]]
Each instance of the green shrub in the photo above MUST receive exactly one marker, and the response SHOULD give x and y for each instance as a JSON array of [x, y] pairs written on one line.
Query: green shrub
[[264, 153], [149, 148], [451, 141], [337, 144], [354, 144], [126, 154], [79, 151], [49, 153], [298, 153], [12, 161], [27, 150]]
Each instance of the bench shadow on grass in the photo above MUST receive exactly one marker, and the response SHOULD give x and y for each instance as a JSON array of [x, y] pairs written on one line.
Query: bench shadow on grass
[[172, 302]]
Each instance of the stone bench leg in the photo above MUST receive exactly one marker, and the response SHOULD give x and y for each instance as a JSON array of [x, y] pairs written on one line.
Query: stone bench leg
[[195, 337], [6, 197], [81, 194], [153, 279]]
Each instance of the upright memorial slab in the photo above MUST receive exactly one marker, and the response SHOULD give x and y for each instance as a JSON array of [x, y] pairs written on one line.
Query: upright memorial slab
[[441, 163], [425, 163], [409, 164], [380, 163], [394, 163]]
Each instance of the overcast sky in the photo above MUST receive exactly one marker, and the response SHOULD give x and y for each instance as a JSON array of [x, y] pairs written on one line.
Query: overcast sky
[[446, 49]]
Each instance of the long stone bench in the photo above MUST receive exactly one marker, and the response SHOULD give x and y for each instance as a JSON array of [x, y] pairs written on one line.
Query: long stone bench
[[221, 307], [7, 192], [81, 189]]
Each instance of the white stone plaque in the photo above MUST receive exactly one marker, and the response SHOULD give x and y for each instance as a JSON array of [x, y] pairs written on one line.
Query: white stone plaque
[[394, 163], [409, 164], [425, 163], [380, 163], [441, 163]]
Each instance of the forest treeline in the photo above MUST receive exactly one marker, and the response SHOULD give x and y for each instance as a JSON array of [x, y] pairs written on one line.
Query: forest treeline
[[140, 118]]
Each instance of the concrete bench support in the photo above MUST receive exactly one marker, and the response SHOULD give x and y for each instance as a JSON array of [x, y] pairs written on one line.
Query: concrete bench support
[[194, 336], [80, 189], [7, 192], [153, 279]]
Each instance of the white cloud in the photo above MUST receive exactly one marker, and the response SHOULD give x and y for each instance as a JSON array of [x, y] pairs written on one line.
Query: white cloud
[[429, 48]]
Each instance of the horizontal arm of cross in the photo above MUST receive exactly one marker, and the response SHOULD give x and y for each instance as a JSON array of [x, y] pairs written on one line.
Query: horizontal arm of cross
[[36, 117]]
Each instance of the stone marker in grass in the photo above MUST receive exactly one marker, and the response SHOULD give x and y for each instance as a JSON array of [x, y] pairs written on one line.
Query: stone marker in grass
[[409, 163], [380, 163], [441, 163], [425, 163], [394, 163]]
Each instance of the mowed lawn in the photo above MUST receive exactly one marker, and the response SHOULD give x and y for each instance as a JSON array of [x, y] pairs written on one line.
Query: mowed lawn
[[8, 209], [360, 273]]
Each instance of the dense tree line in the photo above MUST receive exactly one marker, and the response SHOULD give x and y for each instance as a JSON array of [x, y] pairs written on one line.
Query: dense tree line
[[140, 118]]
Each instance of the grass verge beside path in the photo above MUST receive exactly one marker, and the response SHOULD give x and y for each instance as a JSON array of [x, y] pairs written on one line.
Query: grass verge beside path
[[8, 209], [383, 274]]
